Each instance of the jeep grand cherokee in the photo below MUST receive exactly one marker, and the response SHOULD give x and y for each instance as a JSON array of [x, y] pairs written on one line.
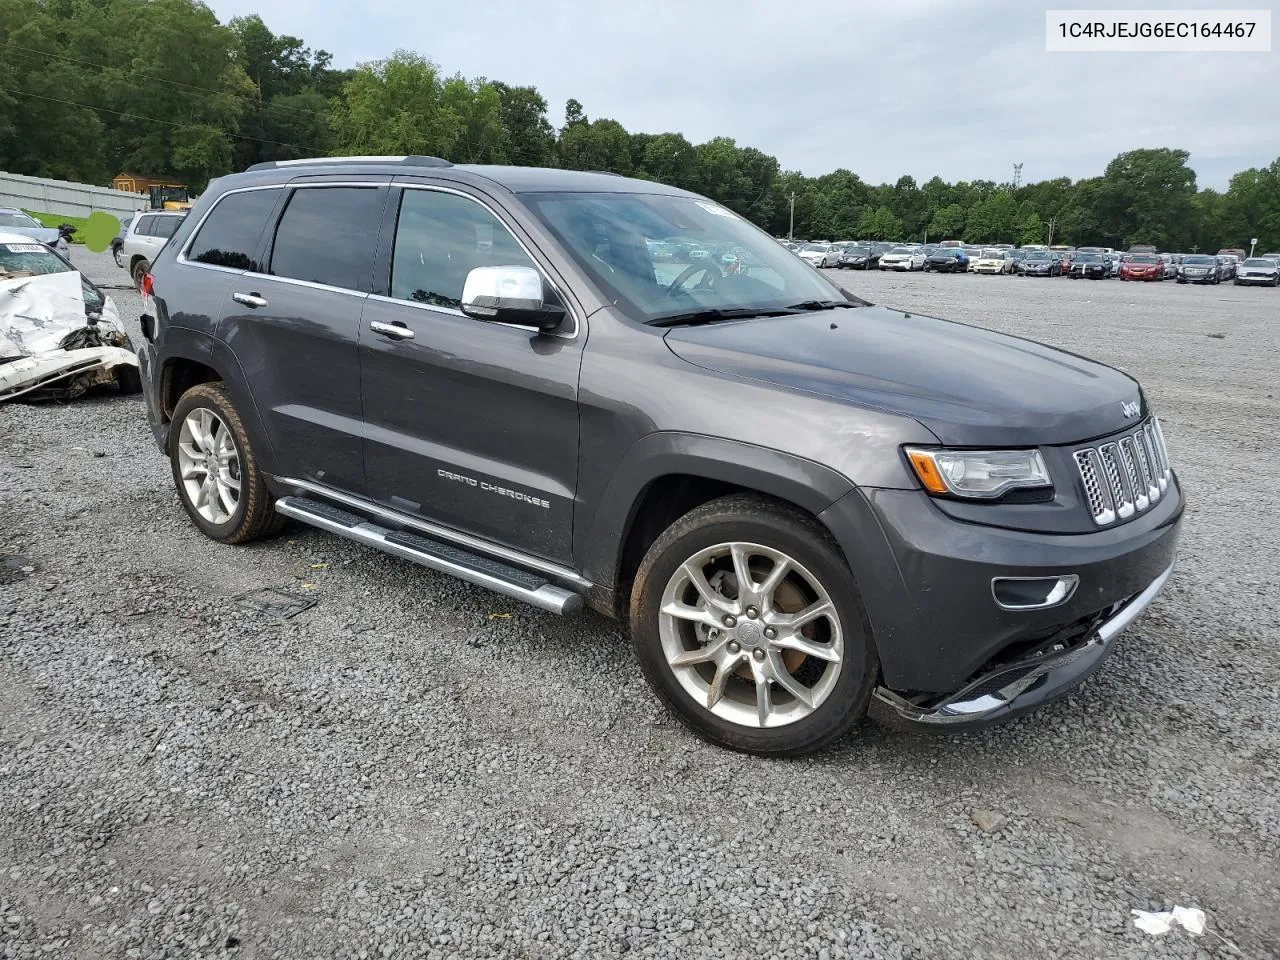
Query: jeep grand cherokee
[[801, 502]]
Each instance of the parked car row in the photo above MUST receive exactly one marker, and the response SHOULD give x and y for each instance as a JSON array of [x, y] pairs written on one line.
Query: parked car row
[[1035, 260]]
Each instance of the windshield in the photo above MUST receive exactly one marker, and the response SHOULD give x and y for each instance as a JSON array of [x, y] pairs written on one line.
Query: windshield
[[818, 247], [1202, 261], [1037, 255], [605, 234], [992, 254], [1146, 258], [1258, 262], [1088, 258], [905, 250], [18, 220], [29, 260], [858, 251]]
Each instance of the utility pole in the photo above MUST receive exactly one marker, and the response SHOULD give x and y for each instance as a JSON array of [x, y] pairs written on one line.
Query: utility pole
[[791, 230], [1017, 175], [1053, 222]]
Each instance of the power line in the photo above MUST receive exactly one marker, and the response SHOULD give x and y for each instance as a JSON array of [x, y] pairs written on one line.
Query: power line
[[138, 116], [29, 51]]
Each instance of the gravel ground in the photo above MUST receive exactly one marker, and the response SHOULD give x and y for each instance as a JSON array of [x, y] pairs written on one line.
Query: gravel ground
[[415, 767]]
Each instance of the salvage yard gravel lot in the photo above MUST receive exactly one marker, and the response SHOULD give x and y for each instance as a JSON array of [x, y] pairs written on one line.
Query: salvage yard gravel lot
[[413, 767]]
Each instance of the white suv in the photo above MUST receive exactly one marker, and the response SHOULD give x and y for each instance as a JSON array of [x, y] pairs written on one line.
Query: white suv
[[146, 235]]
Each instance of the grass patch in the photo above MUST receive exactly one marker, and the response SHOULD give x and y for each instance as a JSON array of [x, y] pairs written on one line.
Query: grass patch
[[56, 220]]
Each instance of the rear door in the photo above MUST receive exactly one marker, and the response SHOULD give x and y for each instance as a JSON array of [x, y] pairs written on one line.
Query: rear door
[[470, 424], [294, 328]]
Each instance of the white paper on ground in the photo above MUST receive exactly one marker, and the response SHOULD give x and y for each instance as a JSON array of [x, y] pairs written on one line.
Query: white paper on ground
[[1190, 919]]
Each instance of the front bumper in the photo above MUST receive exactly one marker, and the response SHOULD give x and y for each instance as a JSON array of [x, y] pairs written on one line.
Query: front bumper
[[1017, 687], [1260, 281], [925, 580]]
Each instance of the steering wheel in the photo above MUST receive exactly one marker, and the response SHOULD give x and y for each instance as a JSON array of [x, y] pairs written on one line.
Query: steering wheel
[[708, 282]]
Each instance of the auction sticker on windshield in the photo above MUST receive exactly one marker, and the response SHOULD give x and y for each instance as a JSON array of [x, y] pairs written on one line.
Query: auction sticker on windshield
[[719, 211], [1135, 31]]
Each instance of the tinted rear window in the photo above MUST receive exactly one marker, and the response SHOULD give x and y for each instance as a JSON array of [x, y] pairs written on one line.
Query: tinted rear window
[[327, 236], [229, 236]]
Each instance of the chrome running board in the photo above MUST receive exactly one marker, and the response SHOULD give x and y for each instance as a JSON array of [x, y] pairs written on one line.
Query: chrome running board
[[533, 588]]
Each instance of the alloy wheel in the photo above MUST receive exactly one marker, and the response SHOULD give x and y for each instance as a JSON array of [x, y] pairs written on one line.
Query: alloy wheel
[[751, 635], [209, 465]]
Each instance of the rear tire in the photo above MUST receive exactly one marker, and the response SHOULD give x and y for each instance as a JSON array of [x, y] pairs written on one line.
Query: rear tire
[[834, 684], [138, 271], [250, 513]]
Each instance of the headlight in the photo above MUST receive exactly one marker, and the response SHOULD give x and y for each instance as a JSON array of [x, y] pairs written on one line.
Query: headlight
[[982, 474]]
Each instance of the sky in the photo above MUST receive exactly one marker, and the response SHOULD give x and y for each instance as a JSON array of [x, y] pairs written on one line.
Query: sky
[[958, 88]]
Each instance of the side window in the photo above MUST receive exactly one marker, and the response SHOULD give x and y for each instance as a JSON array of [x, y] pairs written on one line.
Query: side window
[[165, 226], [440, 238], [327, 235], [230, 235], [144, 226]]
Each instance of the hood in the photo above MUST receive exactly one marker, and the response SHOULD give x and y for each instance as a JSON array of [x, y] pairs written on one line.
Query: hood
[[46, 235], [37, 312], [971, 387]]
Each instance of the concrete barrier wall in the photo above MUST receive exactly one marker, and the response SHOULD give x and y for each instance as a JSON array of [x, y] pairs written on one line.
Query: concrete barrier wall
[[67, 198]]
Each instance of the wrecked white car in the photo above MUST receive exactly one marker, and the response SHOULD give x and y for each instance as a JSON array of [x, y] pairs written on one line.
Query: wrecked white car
[[59, 334]]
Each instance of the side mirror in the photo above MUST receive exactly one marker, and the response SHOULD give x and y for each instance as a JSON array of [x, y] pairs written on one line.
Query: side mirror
[[511, 294]]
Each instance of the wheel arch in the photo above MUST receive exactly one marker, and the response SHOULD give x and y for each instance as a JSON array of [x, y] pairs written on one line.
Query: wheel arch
[[197, 359], [664, 476]]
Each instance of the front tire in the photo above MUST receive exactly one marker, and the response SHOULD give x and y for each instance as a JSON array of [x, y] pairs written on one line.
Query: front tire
[[215, 470], [780, 668]]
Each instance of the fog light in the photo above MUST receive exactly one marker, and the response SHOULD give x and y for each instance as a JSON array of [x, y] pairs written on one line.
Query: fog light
[[1033, 593]]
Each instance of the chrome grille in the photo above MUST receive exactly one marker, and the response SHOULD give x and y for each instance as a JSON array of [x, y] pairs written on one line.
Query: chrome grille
[[1121, 490], [1125, 476]]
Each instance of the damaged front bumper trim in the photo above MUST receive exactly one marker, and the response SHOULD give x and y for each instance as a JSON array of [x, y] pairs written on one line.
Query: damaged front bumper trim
[[1029, 683]]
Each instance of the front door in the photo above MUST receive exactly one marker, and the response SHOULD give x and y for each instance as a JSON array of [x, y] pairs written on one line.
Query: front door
[[469, 424]]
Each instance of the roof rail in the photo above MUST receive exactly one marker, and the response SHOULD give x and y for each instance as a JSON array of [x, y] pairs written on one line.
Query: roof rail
[[317, 161]]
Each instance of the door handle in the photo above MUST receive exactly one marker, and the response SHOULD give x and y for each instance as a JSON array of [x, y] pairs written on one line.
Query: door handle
[[395, 330], [249, 299]]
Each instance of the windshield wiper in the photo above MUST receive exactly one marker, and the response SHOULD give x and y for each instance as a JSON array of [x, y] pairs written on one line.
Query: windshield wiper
[[713, 314], [822, 304]]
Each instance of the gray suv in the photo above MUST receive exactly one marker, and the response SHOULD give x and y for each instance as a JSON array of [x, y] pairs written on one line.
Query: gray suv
[[804, 505]]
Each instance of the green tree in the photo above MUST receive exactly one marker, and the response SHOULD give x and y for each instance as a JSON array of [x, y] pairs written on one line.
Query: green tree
[[529, 140], [947, 222], [1030, 229], [396, 106], [596, 145], [879, 224], [1146, 197], [669, 158], [992, 219], [1251, 208]]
